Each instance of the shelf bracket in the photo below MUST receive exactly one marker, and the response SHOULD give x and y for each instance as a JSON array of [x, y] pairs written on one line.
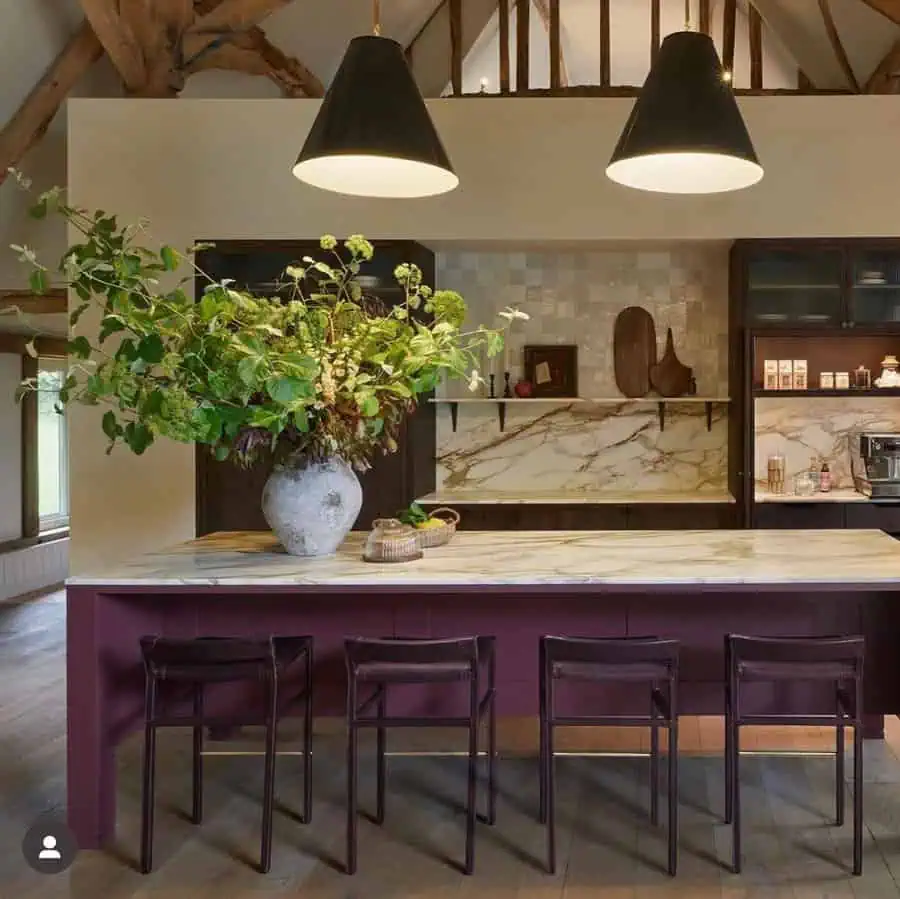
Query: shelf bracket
[[501, 415], [454, 415], [708, 416], [662, 416]]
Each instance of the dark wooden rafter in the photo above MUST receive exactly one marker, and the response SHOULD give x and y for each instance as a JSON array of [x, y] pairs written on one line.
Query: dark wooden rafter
[[729, 21], [456, 46], [33, 117], [838, 47], [523, 55], [756, 49], [604, 44], [654, 30], [886, 77], [119, 41], [545, 14], [890, 9], [53, 301], [504, 46], [705, 18], [554, 35]]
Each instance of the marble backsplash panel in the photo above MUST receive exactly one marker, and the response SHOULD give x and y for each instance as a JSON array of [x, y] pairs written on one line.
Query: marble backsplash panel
[[582, 446], [820, 426], [573, 297]]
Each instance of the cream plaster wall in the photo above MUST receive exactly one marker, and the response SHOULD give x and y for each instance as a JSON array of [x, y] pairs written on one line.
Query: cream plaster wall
[[531, 170]]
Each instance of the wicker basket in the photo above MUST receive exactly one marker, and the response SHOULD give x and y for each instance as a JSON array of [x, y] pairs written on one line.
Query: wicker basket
[[431, 537], [391, 541]]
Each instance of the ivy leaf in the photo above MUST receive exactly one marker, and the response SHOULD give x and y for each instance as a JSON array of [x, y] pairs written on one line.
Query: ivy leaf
[[138, 436], [110, 425], [153, 404], [288, 390], [37, 281], [151, 349], [111, 324], [221, 453], [169, 258], [248, 369], [368, 404], [73, 318], [301, 421], [80, 347]]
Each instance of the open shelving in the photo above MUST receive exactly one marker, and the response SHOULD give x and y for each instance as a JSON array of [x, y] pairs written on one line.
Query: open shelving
[[502, 402], [849, 391]]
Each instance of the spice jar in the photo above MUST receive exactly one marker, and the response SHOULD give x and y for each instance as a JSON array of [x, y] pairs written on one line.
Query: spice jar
[[776, 469]]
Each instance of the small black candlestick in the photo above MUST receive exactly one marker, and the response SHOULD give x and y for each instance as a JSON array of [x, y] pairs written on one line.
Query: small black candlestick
[[491, 380], [506, 390]]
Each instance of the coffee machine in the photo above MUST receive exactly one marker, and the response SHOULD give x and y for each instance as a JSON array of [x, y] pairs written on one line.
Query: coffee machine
[[875, 464]]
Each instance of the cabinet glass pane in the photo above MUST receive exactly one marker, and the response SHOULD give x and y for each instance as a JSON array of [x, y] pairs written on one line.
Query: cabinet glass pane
[[875, 288], [796, 288]]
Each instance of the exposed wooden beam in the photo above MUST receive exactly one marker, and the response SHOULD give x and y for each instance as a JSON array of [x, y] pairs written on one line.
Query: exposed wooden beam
[[705, 17], [294, 78], [595, 90], [33, 117], [118, 40], [756, 56], [523, 57], [31, 516], [886, 77], [555, 39], [804, 84], [604, 44], [888, 8], [17, 345], [235, 15], [544, 11], [836, 45], [55, 300], [729, 20], [456, 54], [504, 46], [654, 30]]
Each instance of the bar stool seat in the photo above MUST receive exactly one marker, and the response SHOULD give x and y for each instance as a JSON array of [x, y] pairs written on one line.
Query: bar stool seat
[[206, 661], [379, 663], [615, 660], [838, 660]]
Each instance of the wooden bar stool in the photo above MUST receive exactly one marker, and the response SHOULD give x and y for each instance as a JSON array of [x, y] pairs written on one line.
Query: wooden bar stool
[[382, 662], [838, 660], [614, 660], [204, 661]]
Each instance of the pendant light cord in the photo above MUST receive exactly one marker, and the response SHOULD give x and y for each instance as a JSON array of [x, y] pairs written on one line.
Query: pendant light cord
[[376, 16]]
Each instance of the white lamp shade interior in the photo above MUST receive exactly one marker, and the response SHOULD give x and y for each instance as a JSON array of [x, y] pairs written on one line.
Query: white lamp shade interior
[[375, 176], [685, 173]]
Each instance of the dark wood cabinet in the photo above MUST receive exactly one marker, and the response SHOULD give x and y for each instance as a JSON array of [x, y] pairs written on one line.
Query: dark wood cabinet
[[682, 516], [883, 516], [228, 497], [799, 516]]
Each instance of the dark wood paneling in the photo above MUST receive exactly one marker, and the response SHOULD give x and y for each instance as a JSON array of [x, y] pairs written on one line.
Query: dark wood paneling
[[881, 516], [682, 516], [228, 497], [799, 516]]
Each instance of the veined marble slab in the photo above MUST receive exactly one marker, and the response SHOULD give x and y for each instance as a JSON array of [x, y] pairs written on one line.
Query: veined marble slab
[[530, 558], [843, 495], [569, 497]]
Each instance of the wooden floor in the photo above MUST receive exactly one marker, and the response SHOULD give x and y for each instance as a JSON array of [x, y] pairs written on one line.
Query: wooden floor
[[608, 850]]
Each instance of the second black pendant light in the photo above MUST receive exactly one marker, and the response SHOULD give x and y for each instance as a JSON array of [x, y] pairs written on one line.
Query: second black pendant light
[[685, 134], [373, 136]]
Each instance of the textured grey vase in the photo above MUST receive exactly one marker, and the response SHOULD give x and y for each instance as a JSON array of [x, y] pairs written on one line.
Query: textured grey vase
[[311, 506]]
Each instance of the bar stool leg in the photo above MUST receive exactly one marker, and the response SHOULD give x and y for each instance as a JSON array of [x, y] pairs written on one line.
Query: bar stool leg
[[858, 780], [197, 802], [550, 783], [149, 778], [381, 753], [654, 758], [839, 785], [729, 773], [543, 717], [735, 796], [492, 742], [472, 791], [673, 779], [307, 738], [352, 775], [265, 860]]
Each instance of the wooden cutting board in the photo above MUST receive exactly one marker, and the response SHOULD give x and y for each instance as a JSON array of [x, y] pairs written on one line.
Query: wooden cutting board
[[669, 377], [634, 350]]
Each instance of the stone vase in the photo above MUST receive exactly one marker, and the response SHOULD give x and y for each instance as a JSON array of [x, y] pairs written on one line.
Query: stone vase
[[311, 505]]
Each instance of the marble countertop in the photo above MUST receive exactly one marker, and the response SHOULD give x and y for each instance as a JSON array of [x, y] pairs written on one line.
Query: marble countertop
[[529, 558], [844, 495], [569, 497]]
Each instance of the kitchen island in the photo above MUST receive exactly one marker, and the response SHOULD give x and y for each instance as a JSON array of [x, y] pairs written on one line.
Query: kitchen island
[[692, 585]]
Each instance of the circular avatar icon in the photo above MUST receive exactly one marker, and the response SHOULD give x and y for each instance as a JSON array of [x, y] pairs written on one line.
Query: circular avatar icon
[[49, 847]]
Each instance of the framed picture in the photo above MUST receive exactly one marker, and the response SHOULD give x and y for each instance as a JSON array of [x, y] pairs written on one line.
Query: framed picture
[[552, 370]]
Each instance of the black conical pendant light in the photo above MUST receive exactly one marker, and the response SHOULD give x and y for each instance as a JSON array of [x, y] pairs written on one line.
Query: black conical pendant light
[[373, 136], [685, 134]]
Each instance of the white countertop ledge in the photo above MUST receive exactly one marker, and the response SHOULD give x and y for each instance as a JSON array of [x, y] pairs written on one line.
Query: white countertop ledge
[[572, 497], [529, 558]]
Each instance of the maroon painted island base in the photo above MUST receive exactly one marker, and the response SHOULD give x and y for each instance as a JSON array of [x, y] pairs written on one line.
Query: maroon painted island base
[[692, 585]]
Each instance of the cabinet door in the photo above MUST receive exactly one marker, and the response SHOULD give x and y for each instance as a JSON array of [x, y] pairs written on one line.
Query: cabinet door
[[875, 288], [798, 516], [795, 287]]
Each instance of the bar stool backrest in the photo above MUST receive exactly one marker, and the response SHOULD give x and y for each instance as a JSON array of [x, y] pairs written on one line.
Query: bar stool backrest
[[849, 650], [611, 650], [397, 651], [206, 657]]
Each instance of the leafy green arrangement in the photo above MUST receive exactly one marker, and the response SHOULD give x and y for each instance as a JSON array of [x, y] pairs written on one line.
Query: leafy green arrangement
[[323, 369], [413, 515]]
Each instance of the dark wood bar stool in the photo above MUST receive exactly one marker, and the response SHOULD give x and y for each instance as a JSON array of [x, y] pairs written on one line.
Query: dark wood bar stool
[[615, 660], [382, 662], [204, 661], [838, 660]]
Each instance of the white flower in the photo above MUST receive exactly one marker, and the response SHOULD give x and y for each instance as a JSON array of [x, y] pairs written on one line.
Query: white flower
[[475, 379]]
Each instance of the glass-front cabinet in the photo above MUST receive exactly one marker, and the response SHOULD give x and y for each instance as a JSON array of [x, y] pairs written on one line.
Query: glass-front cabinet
[[794, 287], [854, 283], [874, 294]]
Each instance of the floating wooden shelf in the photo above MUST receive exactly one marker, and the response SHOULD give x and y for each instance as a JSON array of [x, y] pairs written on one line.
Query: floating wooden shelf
[[660, 401], [852, 391]]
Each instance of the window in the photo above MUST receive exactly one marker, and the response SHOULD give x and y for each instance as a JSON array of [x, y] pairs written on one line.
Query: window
[[53, 447]]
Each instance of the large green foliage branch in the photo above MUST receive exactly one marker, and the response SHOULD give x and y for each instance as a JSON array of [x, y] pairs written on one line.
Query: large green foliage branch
[[322, 369]]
